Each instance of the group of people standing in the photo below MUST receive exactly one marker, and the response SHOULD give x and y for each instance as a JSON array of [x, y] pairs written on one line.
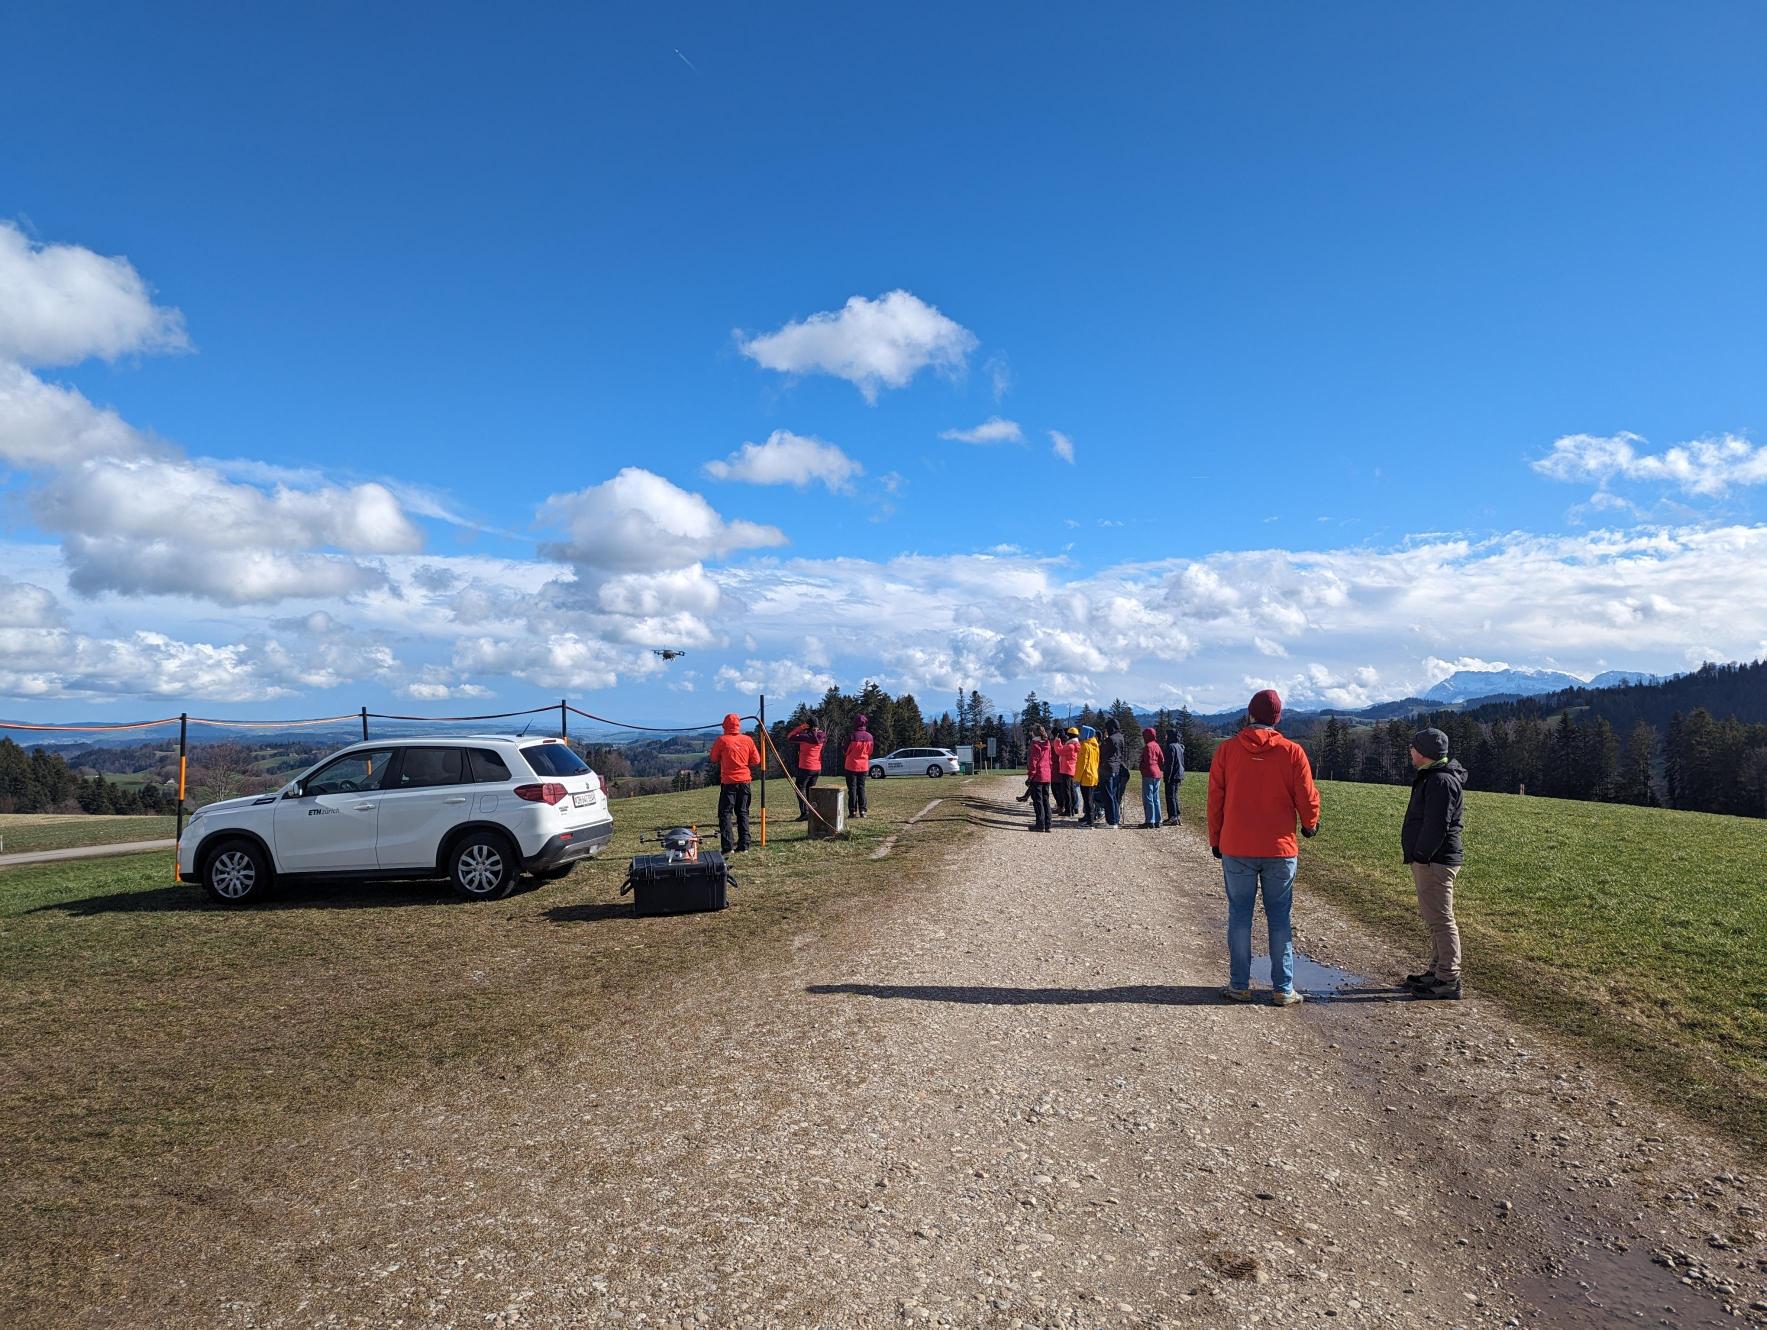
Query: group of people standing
[[1082, 774], [738, 758]]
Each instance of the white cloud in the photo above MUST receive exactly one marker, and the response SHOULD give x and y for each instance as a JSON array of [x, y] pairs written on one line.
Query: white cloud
[[640, 522], [26, 605], [559, 660], [44, 425], [991, 430], [135, 567], [1704, 467], [1061, 445], [999, 371], [789, 459], [780, 678], [872, 344], [61, 304]]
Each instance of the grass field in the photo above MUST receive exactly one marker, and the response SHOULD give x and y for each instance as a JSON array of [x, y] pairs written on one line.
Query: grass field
[[1640, 932], [144, 1031], [24, 833]]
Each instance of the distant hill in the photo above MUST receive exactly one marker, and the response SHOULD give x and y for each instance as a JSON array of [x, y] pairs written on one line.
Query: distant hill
[[1471, 685]]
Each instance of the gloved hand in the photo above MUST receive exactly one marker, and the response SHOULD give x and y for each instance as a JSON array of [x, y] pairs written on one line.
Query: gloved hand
[[1215, 850], [1310, 832]]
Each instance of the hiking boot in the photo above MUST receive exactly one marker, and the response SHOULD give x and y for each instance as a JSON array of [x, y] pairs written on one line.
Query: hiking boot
[[1286, 997], [1419, 980], [1237, 994], [1439, 990]]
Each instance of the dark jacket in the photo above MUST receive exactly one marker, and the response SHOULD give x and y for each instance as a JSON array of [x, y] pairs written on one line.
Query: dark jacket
[[1111, 756], [1431, 834], [1174, 759]]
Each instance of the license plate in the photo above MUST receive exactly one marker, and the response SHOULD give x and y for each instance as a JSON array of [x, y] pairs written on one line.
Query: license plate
[[582, 800]]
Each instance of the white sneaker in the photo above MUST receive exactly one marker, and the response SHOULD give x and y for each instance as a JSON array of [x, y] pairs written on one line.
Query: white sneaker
[[1286, 998], [1237, 994]]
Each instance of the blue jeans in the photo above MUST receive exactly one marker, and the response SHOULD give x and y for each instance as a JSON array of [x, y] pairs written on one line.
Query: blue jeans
[[1150, 800], [1243, 878], [1107, 795]]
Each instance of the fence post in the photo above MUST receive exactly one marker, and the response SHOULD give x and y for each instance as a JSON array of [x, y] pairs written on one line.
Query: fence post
[[763, 716], [564, 720], [364, 724], [183, 766]]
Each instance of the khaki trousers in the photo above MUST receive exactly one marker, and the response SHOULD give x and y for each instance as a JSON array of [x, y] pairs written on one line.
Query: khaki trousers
[[1435, 904]]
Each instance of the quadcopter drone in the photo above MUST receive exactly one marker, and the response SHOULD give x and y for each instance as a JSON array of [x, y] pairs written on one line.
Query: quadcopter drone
[[667, 653]]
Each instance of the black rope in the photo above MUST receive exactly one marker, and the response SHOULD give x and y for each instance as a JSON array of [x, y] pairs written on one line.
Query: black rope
[[499, 715], [653, 729]]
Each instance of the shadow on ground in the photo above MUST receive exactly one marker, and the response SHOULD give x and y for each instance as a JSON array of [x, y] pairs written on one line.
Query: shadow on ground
[[1159, 995], [283, 896]]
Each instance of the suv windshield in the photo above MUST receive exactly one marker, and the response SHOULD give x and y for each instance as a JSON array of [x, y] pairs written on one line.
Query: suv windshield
[[554, 760]]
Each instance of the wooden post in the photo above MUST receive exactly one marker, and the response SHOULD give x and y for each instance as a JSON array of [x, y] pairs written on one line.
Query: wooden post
[[564, 720], [364, 724], [763, 722]]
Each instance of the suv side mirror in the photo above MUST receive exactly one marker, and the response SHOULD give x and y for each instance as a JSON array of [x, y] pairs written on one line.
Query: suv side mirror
[[293, 790]]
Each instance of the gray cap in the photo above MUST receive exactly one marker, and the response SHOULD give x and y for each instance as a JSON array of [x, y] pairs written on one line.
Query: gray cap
[[1433, 744]]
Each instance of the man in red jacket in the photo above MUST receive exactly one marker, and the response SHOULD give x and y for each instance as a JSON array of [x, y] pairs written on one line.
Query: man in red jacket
[[1260, 787], [737, 757]]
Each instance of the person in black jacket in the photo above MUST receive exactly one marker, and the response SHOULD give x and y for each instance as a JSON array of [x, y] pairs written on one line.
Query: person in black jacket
[[1174, 776], [1430, 840], [1113, 773]]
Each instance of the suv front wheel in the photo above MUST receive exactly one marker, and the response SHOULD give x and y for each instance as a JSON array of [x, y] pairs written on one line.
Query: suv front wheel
[[483, 867], [236, 872]]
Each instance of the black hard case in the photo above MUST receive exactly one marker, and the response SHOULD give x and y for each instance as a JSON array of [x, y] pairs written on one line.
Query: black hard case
[[674, 884]]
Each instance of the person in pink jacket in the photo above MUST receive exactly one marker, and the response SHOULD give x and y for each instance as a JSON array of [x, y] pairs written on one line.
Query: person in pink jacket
[[1040, 762], [1066, 748], [1153, 767], [857, 764]]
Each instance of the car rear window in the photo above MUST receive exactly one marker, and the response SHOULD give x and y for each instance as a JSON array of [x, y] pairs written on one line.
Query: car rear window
[[488, 768], [554, 760], [424, 767]]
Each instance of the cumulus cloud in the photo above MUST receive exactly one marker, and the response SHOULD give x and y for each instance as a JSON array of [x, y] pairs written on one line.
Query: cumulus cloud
[[991, 430], [1707, 468], [789, 459], [45, 425], [1061, 445], [61, 304], [639, 522], [133, 567], [872, 344], [782, 678]]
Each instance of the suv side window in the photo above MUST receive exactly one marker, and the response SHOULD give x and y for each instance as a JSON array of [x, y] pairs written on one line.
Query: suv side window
[[427, 767], [488, 768], [354, 773]]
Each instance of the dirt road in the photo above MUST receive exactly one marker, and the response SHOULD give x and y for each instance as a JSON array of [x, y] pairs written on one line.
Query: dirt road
[[1013, 1100], [83, 852]]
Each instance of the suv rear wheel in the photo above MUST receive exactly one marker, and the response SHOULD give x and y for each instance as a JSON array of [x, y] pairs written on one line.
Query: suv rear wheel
[[483, 867], [236, 872], [935, 770]]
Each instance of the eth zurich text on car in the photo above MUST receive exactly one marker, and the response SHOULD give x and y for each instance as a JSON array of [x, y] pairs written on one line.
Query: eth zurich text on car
[[916, 762], [479, 811]]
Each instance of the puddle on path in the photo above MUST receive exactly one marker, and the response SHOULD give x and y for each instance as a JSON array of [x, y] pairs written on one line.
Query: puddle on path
[[1607, 1289], [1316, 979]]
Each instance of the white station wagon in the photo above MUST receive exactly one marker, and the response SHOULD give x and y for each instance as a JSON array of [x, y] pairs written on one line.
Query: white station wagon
[[478, 810], [916, 762]]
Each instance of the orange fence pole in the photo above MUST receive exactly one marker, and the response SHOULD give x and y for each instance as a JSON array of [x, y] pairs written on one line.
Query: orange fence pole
[[183, 769]]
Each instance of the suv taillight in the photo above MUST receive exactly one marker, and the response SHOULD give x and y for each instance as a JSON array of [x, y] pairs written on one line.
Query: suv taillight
[[542, 794]]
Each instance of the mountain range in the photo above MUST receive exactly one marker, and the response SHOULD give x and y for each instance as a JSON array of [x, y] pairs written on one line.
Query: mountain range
[[1465, 685]]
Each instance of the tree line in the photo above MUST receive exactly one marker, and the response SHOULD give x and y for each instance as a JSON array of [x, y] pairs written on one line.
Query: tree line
[[40, 781], [1696, 762]]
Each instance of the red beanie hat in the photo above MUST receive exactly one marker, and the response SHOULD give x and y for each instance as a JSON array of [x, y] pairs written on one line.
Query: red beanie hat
[[1266, 707]]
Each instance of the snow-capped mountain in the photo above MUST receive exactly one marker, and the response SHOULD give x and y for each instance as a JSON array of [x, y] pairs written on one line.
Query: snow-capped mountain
[[1464, 685]]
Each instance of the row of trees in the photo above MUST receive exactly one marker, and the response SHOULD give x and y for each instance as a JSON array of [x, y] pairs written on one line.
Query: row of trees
[[1699, 763], [42, 782]]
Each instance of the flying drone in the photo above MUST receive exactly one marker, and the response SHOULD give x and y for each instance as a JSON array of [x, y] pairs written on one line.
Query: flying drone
[[667, 653]]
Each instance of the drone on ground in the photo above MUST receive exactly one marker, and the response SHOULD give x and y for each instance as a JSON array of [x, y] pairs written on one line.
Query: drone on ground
[[667, 653]]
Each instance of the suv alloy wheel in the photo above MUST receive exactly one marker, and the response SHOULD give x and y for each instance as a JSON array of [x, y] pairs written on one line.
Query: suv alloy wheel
[[236, 873], [483, 866]]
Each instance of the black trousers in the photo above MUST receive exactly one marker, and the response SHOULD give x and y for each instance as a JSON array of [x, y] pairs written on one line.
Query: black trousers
[[805, 780], [1088, 810], [1040, 804], [733, 816], [1172, 809], [856, 794]]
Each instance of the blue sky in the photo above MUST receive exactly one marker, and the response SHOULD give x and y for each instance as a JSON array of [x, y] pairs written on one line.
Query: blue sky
[[1373, 333]]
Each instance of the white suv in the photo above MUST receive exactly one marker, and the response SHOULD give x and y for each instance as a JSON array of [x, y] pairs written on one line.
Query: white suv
[[479, 811], [916, 762]]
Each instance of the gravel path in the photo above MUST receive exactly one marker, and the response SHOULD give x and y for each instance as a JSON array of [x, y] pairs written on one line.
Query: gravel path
[[1009, 1100], [84, 852]]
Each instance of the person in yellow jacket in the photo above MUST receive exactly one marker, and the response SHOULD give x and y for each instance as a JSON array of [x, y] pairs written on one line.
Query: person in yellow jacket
[[1086, 776]]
